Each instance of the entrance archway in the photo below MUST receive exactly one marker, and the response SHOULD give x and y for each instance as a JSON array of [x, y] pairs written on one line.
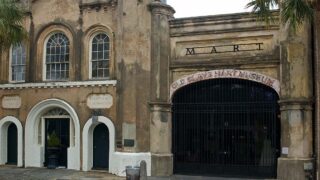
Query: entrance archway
[[88, 142], [35, 133], [226, 127], [11, 141]]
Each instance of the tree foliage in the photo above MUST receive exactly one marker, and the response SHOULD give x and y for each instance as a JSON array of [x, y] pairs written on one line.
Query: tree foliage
[[293, 12], [12, 31]]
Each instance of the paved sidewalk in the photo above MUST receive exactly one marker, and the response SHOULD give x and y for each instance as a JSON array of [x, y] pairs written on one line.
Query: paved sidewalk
[[13, 173], [182, 177]]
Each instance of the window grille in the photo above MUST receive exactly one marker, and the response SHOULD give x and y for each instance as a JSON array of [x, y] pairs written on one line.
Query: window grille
[[18, 63], [57, 57], [100, 56]]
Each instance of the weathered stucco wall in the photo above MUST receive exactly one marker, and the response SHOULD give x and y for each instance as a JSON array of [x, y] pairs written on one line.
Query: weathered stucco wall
[[128, 25], [233, 41], [133, 70]]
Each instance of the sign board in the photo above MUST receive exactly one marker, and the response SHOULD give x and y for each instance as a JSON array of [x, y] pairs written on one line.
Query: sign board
[[225, 73], [285, 150], [11, 102], [99, 101], [230, 48]]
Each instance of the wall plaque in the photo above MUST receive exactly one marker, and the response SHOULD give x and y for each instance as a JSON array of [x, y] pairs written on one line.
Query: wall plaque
[[11, 102], [99, 101]]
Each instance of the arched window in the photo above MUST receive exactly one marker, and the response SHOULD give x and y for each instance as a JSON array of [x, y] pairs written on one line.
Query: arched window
[[100, 56], [57, 57], [18, 63]]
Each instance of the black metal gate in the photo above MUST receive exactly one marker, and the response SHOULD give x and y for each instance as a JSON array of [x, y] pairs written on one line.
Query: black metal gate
[[226, 127]]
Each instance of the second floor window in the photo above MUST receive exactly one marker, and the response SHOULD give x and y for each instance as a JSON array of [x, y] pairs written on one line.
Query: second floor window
[[18, 63], [99, 61], [57, 57]]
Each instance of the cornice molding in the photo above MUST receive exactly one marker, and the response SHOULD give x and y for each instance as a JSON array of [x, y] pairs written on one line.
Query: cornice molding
[[97, 5], [69, 84]]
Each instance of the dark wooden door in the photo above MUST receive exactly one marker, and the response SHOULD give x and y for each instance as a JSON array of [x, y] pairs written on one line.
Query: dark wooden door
[[12, 144], [101, 147], [61, 128]]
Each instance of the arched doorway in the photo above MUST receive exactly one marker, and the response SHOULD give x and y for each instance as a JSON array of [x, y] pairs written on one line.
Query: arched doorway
[[101, 147], [44, 117], [11, 141], [226, 127], [96, 126], [12, 145]]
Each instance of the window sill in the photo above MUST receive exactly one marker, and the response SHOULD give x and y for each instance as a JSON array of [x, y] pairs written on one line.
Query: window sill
[[16, 82], [63, 84]]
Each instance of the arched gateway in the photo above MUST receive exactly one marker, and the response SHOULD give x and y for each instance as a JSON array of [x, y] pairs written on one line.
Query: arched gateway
[[226, 127]]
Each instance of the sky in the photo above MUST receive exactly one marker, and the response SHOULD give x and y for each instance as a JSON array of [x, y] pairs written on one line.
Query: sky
[[188, 8]]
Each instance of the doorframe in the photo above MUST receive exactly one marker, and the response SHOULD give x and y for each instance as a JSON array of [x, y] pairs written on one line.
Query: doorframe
[[43, 127], [4, 124], [43, 131]]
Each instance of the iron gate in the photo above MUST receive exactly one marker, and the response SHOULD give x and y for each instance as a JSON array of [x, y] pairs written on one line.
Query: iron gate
[[226, 127]]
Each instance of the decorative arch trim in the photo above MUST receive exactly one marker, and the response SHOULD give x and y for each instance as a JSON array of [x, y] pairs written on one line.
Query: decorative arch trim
[[225, 73], [98, 28], [4, 124], [41, 41], [34, 151], [54, 25], [87, 136]]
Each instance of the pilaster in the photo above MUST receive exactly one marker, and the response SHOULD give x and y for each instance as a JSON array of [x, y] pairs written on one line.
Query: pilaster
[[296, 102], [160, 122]]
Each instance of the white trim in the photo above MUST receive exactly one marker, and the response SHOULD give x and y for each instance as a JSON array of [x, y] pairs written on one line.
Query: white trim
[[4, 124], [123, 159], [59, 84], [10, 67], [34, 152], [90, 54], [56, 117], [44, 56], [87, 138]]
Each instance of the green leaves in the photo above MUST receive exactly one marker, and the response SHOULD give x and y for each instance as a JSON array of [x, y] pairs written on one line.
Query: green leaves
[[12, 31], [53, 140], [293, 12], [263, 9]]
